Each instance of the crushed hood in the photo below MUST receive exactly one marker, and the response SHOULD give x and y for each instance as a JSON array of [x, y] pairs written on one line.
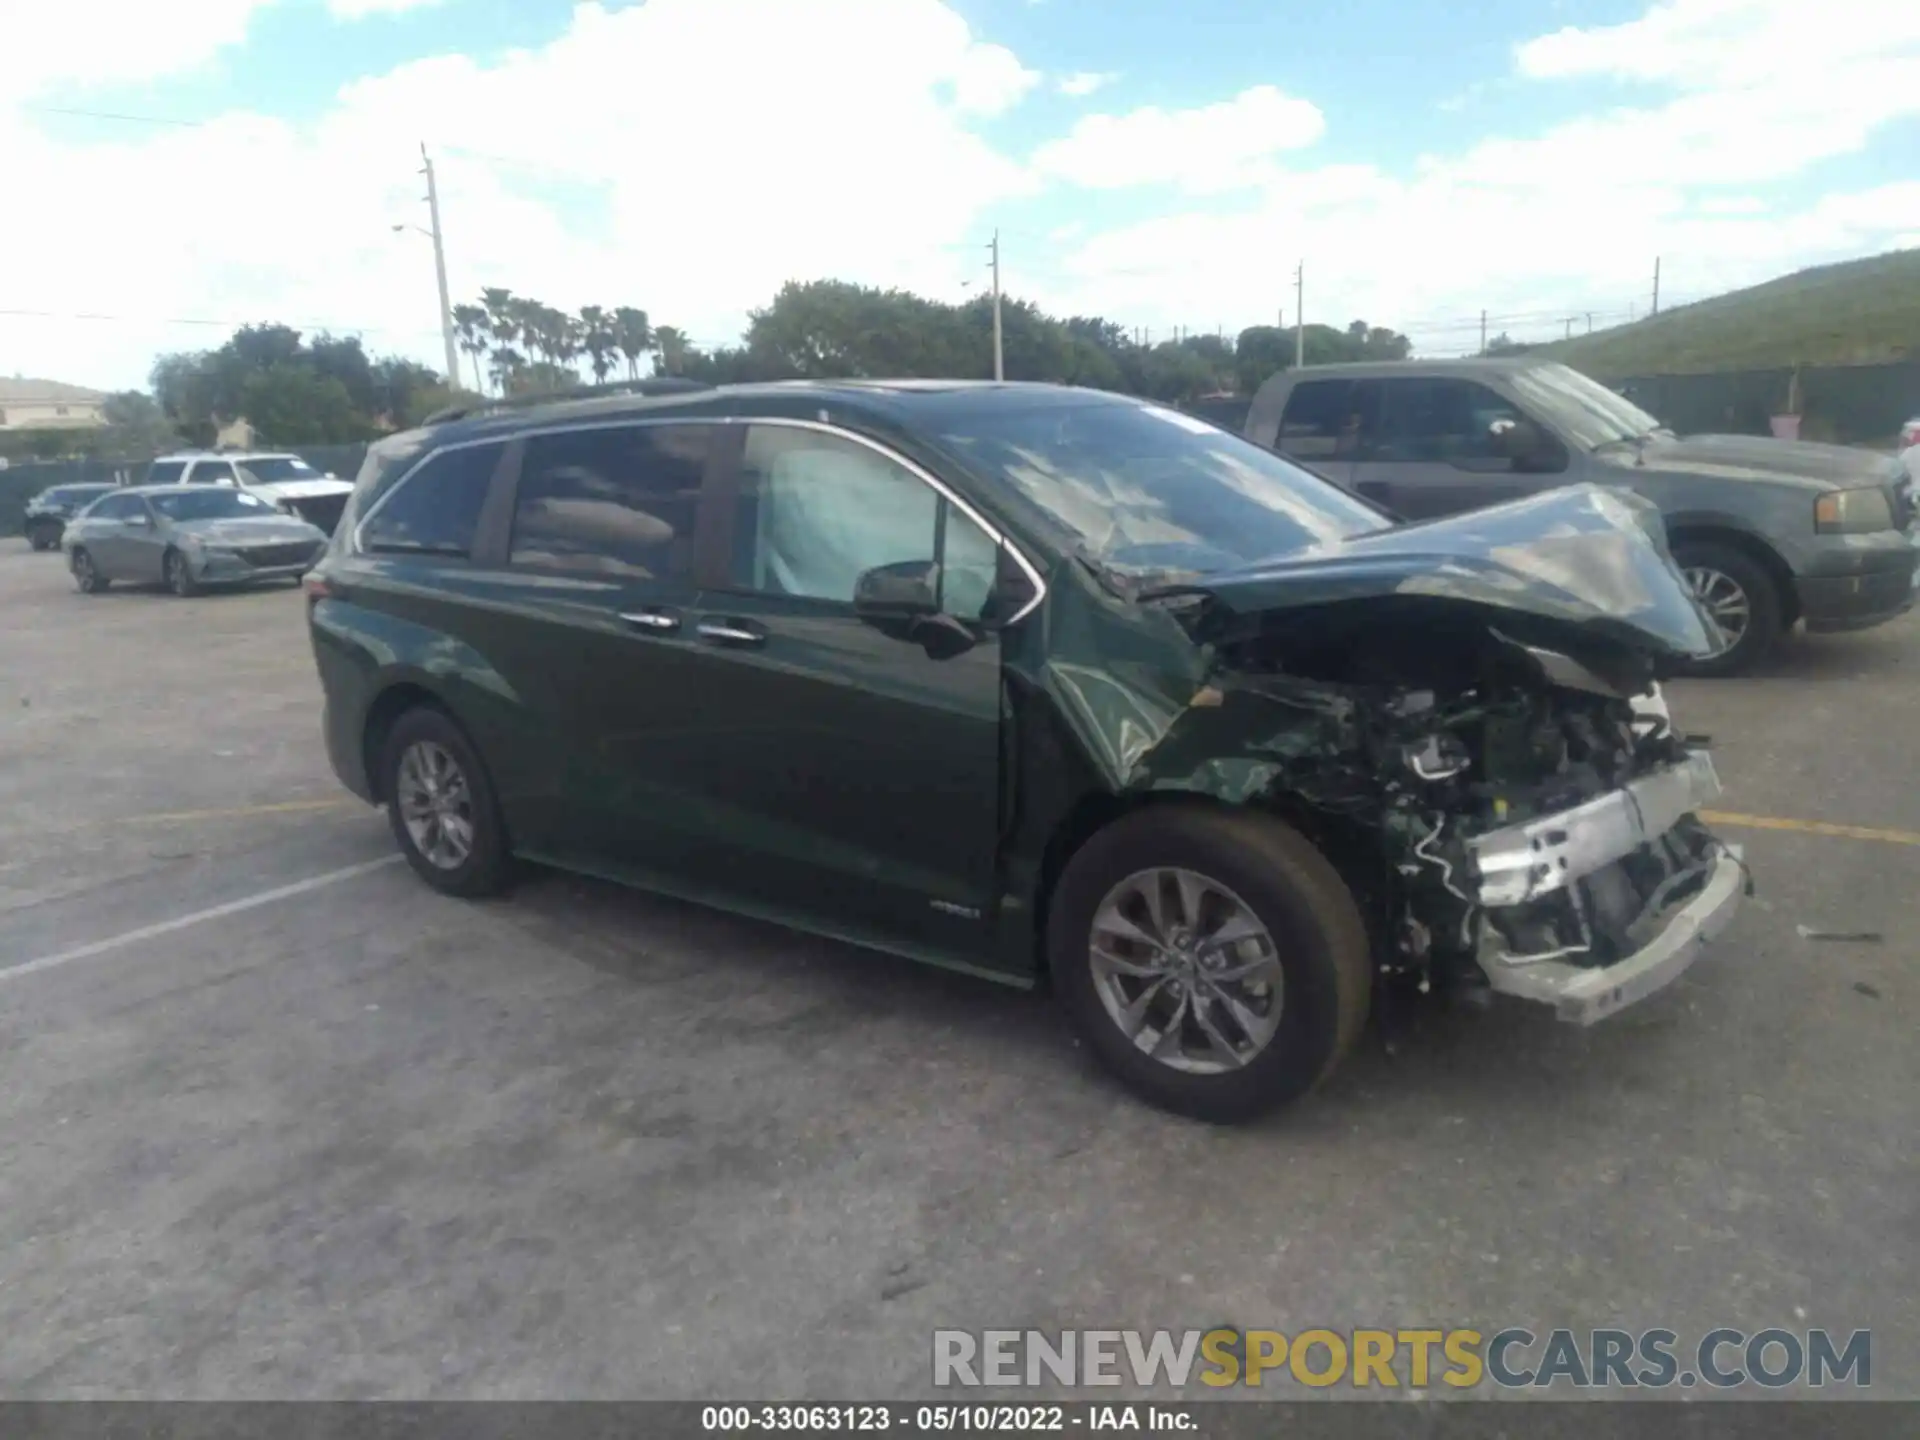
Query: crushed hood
[[1586, 557]]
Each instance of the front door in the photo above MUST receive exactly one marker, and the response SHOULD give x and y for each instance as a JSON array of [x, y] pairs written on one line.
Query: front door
[[116, 529], [844, 775], [1438, 445]]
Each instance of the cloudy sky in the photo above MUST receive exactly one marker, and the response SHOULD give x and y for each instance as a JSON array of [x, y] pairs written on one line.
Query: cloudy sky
[[1160, 162]]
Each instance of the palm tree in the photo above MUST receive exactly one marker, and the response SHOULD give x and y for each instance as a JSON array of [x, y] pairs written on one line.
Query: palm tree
[[632, 337], [597, 335], [506, 364], [568, 337], [670, 346], [470, 325], [503, 314], [532, 327]]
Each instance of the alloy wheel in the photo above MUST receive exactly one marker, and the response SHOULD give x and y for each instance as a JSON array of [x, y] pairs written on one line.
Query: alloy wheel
[[1186, 970], [83, 572], [436, 804], [1725, 600]]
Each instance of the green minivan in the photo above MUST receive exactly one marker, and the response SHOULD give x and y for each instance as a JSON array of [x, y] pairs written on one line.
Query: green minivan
[[1038, 683]]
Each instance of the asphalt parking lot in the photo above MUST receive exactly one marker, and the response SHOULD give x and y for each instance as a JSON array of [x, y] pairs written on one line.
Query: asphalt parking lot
[[277, 1121]]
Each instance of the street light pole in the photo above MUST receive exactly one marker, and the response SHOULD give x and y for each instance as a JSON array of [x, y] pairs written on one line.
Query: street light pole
[[440, 271], [999, 360]]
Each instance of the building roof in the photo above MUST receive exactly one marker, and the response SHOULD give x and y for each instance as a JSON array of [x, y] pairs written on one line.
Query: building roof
[[22, 391]]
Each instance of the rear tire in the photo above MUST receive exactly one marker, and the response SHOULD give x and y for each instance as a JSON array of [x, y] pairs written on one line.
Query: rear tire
[[441, 806], [41, 538], [86, 575], [1311, 940], [1736, 586]]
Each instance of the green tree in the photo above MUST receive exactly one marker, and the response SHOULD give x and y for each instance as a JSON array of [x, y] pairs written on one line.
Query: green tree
[[1259, 353], [292, 404], [597, 337], [471, 329], [632, 337], [670, 350]]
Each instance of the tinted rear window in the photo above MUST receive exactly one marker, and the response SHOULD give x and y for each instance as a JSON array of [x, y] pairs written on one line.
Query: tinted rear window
[[435, 510], [618, 501], [165, 472]]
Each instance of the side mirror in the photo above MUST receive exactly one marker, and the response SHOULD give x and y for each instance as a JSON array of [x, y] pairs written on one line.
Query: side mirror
[[904, 591], [900, 601]]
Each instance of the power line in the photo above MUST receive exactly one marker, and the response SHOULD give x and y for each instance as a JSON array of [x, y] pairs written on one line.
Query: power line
[[314, 326]]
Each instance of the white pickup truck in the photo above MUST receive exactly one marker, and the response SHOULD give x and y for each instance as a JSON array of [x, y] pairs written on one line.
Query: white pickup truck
[[280, 478]]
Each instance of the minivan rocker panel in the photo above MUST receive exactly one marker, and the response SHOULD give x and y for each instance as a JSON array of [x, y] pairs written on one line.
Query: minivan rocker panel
[[1217, 806]]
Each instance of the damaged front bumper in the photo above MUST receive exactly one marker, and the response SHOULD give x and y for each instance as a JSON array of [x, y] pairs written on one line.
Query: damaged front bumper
[[1524, 863], [1585, 994]]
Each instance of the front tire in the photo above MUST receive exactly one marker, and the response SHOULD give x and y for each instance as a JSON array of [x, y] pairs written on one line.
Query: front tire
[[179, 575], [1213, 959], [441, 806], [86, 574], [1744, 599], [42, 538]]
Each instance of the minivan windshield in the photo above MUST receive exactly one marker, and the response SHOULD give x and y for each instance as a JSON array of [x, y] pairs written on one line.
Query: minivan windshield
[[1583, 410], [1149, 493]]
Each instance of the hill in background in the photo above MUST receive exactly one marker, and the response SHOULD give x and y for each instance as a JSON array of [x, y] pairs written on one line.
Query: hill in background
[[1859, 312]]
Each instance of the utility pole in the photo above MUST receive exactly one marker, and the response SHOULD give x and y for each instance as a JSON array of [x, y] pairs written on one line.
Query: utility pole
[[1300, 315], [999, 358], [1569, 334], [1656, 286], [440, 270], [1483, 332], [1589, 322]]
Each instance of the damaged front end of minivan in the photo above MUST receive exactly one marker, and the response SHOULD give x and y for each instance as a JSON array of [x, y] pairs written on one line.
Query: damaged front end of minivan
[[1466, 717]]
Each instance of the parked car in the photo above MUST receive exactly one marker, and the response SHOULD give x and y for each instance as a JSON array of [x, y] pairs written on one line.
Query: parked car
[[1026, 680], [48, 512], [283, 480], [188, 538], [1768, 532]]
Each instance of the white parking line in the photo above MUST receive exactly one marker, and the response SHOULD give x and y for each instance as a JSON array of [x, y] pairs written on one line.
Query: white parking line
[[198, 917]]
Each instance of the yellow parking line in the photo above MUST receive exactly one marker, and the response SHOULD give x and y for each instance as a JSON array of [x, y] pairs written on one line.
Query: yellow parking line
[[1809, 827], [283, 807]]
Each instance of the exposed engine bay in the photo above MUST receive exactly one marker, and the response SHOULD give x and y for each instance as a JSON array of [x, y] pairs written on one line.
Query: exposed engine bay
[[1505, 809]]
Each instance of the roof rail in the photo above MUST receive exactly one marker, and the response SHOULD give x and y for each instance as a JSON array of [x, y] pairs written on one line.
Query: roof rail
[[652, 385]]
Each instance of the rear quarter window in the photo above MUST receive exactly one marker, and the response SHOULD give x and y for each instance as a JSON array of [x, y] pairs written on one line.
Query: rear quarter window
[[434, 510], [165, 472]]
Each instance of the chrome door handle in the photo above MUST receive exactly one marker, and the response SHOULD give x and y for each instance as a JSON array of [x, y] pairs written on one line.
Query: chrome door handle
[[725, 633], [658, 621]]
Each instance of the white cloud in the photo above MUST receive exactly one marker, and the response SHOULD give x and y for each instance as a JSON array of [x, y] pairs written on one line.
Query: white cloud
[[104, 42], [360, 9], [695, 194], [989, 80], [735, 167], [1210, 148], [1542, 226], [1716, 44], [1085, 82]]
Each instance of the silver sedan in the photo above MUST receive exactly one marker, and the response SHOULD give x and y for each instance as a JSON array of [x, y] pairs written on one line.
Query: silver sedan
[[188, 538]]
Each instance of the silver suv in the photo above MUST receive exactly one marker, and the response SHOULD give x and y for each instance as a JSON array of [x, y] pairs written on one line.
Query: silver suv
[[1769, 532]]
